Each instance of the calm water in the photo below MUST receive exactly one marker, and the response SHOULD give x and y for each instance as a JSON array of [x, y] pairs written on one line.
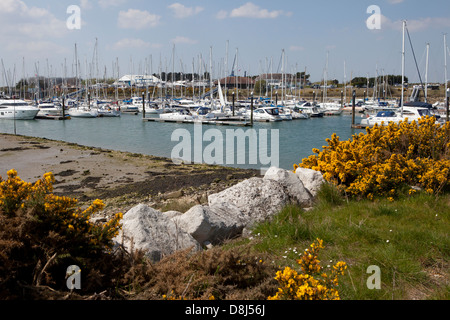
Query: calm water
[[129, 133]]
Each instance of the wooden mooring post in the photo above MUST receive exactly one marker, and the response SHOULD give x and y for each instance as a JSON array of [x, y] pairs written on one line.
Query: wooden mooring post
[[353, 108], [143, 105]]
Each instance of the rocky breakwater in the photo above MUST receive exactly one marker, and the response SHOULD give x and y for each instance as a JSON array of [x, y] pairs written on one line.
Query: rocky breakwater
[[229, 214]]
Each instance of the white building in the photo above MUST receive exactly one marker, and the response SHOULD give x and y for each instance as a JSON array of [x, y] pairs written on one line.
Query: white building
[[138, 81]]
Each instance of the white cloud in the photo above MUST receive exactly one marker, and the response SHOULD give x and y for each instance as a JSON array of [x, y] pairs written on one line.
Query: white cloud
[[251, 10], [11, 6], [85, 4], [395, 1], [222, 14], [183, 40], [137, 19], [180, 11], [128, 43], [19, 20]]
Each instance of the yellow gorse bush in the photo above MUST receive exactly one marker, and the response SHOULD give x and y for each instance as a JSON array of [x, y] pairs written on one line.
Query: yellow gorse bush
[[312, 283], [57, 214], [385, 159]]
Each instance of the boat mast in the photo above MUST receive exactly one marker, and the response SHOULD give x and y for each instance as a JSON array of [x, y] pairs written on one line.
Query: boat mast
[[76, 70], [210, 77], [446, 79], [325, 79], [345, 85], [403, 67], [173, 72], [426, 73], [445, 65], [283, 84], [226, 71]]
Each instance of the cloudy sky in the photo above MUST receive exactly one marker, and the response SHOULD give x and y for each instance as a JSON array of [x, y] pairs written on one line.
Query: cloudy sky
[[141, 35]]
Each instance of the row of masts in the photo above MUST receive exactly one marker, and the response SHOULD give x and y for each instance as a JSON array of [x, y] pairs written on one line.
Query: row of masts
[[380, 88]]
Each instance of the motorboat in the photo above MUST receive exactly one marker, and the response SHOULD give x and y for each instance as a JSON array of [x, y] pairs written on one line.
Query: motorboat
[[373, 107], [285, 113], [109, 110], [178, 115], [132, 106], [151, 108], [385, 117], [310, 109], [186, 104], [265, 114], [50, 110], [14, 109], [331, 108], [202, 112], [298, 114]]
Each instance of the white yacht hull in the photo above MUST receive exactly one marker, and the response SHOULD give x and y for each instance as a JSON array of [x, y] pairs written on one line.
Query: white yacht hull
[[176, 117], [83, 113], [20, 113]]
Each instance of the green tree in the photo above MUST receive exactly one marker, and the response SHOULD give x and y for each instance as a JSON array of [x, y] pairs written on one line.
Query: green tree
[[260, 87]]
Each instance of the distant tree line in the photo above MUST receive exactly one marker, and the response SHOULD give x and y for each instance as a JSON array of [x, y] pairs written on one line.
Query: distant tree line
[[390, 79]]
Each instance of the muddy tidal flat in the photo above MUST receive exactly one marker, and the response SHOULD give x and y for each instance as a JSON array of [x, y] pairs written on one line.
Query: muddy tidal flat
[[121, 179]]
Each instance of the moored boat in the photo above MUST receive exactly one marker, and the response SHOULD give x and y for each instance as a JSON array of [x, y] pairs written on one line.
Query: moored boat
[[14, 109]]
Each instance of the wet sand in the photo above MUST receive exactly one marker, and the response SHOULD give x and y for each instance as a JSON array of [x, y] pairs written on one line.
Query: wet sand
[[121, 179]]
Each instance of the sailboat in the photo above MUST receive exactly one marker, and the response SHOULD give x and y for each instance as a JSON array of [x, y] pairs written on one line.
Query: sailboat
[[83, 111], [329, 108], [221, 111], [410, 113]]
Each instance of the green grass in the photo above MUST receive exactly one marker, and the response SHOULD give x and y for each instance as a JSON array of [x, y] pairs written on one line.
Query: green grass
[[408, 240]]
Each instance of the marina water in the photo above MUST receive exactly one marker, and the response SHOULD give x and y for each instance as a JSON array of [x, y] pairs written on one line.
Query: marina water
[[130, 133]]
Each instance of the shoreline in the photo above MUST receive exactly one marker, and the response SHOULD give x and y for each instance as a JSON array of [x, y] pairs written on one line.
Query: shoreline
[[121, 179]]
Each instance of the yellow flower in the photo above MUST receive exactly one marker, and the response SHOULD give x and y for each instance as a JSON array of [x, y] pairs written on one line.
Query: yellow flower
[[309, 285], [386, 158]]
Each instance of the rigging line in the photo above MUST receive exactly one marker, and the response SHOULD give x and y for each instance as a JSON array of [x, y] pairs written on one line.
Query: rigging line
[[414, 55]]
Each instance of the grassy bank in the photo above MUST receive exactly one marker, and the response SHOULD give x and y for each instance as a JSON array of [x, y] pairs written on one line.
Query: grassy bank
[[407, 239]]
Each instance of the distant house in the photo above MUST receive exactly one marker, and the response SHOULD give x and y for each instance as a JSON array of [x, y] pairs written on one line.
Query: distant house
[[276, 79], [236, 82]]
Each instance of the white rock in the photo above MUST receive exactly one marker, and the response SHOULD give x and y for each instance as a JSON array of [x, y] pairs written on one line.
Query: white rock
[[211, 224], [293, 185], [172, 214], [256, 198], [150, 230], [312, 180]]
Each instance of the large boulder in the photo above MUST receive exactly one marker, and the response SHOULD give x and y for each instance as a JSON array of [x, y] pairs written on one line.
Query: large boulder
[[312, 180], [258, 199], [292, 184], [212, 224], [144, 228]]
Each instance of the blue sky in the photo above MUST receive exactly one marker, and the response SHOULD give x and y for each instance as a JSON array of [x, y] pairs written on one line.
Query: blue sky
[[141, 34]]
